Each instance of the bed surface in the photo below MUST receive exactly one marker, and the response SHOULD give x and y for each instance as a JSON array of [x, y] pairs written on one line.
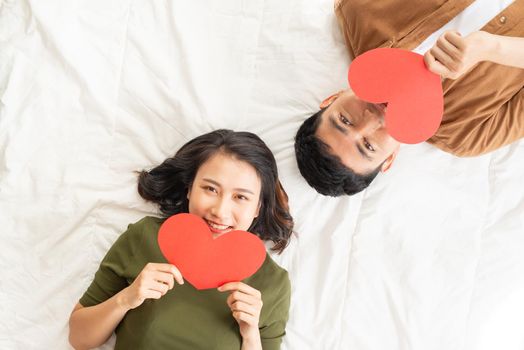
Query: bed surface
[[429, 257]]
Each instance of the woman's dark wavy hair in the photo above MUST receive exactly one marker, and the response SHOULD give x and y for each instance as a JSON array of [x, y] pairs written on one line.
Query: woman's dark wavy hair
[[322, 170], [167, 184]]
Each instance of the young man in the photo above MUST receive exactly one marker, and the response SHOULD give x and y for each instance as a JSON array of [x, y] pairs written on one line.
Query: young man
[[342, 147]]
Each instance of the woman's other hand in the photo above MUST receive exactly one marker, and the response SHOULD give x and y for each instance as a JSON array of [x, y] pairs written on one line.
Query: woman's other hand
[[153, 282], [245, 303]]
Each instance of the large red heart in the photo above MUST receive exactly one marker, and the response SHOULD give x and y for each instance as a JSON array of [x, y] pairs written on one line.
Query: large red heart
[[186, 242], [400, 79]]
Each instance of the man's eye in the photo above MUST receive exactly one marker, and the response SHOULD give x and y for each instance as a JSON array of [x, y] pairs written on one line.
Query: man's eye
[[345, 121], [368, 146]]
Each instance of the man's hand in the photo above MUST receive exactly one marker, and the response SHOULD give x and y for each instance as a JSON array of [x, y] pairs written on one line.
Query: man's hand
[[454, 55]]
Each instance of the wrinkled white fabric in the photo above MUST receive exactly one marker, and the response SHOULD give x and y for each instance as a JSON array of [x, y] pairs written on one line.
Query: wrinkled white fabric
[[429, 257]]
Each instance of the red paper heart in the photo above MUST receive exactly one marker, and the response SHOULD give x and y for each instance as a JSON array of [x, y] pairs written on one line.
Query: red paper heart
[[186, 242], [400, 79]]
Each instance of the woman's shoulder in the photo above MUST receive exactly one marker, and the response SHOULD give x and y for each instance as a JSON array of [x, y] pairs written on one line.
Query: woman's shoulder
[[270, 278], [147, 223], [148, 226], [271, 267]]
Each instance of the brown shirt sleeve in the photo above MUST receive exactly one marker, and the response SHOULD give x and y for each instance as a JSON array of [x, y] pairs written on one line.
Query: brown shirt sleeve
[[403, 24], [483, 109]]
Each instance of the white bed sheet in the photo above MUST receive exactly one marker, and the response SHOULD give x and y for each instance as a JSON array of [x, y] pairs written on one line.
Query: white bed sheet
[[429, 257]]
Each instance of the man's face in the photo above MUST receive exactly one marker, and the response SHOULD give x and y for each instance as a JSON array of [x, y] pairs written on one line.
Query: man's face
[[355, 132]]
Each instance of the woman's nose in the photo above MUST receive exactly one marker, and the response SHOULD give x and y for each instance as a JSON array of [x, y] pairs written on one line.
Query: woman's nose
[[221, 209]]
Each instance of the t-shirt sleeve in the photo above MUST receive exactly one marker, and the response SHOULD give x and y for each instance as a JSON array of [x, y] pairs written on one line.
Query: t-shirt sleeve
[[111, 275], [274, 328]]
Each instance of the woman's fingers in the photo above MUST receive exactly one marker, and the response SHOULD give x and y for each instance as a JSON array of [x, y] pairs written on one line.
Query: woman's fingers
[[160, 287], [152, 294], [240, 286], [244, 317], [168, 268], [245, 303], [163, 277], [246, 298], [239, 306]]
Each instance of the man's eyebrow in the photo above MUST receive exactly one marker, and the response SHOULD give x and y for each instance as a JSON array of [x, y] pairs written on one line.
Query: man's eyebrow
[[334, 124], [363, 153], [236, 189]]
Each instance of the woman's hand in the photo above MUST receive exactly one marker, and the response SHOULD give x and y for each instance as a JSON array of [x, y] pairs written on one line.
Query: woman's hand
[[153, 282], [453, 55], [245, 303]]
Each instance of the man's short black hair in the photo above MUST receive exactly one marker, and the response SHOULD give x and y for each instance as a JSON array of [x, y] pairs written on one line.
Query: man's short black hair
[[322, 170]]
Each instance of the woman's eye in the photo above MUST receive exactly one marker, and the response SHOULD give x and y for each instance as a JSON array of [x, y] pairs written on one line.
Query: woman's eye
[[241, 197], [210, 188], [345, 121]]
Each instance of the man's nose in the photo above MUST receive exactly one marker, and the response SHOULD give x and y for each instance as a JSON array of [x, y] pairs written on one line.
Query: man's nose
[[370, 123]]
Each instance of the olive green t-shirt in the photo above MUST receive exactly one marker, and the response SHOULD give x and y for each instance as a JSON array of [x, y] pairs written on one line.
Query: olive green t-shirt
[[184, 318]]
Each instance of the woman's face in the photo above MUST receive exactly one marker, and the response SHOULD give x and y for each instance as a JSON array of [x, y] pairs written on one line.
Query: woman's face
[[225, 193]]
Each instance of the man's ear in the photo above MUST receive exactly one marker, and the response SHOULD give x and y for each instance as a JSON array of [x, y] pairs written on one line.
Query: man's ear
[[389, 161], [330, 99]]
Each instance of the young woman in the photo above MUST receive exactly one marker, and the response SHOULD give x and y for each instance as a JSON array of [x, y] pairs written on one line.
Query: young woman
[[230, 180]]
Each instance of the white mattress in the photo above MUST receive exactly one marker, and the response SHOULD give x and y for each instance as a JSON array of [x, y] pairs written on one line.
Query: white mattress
[[429, 257]]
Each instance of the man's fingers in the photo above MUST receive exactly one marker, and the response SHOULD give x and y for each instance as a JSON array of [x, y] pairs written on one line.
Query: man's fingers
[[435, 66], [442, 57], [450, 50], [456, 39]]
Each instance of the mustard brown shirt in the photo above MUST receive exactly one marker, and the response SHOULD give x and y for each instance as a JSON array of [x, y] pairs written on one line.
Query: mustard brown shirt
[[484, 108], [184, 318]]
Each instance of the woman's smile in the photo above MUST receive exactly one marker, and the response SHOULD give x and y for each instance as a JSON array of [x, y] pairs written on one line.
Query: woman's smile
[[216, 228]]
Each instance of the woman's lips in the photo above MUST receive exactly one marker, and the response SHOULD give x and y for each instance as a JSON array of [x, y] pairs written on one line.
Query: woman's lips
[[218, 228]]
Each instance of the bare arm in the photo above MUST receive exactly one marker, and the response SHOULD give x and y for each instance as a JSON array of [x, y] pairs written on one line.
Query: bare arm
[[507, 50], [454, 55], [91, 326]]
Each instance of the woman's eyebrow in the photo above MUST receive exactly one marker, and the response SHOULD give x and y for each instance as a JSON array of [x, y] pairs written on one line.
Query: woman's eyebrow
[[219, 185]]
